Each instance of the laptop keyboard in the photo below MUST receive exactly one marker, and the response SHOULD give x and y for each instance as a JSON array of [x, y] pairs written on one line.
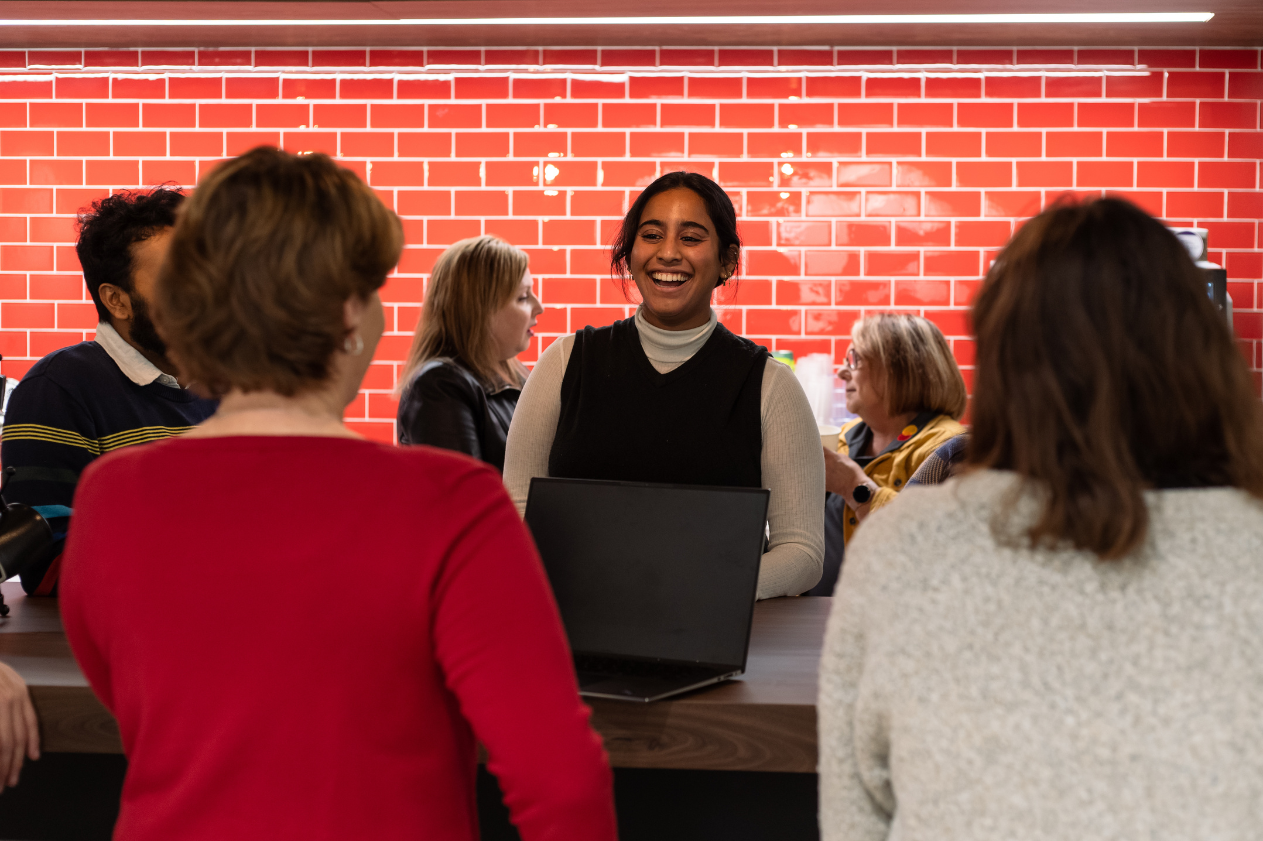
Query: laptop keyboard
[[596, 664]]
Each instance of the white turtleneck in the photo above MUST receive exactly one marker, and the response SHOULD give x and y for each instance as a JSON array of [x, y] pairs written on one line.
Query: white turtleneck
[[792, 461]]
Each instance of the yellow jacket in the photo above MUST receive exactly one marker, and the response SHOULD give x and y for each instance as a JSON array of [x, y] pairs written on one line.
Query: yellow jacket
[[892, 469]]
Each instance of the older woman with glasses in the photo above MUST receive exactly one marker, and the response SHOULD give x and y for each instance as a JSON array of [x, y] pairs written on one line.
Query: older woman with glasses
[[902, 381]]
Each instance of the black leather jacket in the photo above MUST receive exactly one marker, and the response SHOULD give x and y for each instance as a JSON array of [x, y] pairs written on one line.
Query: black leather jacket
[[445, 406]]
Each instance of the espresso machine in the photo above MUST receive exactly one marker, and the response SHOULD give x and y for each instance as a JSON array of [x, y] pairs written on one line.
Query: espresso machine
[[1196, 240]]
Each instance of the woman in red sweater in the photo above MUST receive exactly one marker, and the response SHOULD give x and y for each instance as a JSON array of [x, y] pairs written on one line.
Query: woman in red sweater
[[304, 634]]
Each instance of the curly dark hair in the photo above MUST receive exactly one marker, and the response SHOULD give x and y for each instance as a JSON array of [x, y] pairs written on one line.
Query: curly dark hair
[[722, 215], [109, 229]]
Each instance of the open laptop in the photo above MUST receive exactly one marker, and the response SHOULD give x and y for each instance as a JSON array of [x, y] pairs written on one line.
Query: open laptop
[[655, 583]]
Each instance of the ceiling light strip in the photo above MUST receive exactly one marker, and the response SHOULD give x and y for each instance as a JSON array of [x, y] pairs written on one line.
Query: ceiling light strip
[[452, 71], [698, 20]]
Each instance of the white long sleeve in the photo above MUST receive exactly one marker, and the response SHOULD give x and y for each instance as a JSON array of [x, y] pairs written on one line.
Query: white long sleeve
[[792, 463]]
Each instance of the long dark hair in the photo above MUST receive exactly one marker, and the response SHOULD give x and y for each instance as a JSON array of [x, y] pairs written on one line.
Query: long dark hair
[[1103, 370], [722, 215]]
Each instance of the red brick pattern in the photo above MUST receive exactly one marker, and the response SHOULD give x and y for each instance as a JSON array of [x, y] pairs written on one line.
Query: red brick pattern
[[865, 179]]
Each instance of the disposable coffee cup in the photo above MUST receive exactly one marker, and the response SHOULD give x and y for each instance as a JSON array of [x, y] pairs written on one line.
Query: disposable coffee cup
[[829, 436]]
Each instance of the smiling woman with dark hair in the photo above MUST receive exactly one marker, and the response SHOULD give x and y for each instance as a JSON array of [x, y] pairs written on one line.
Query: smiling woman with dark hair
[[673, 396]]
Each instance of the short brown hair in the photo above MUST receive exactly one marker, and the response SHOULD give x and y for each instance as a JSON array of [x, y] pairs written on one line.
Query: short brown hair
[[471, 281], [921, 373], [1104, 370], [263, 257]]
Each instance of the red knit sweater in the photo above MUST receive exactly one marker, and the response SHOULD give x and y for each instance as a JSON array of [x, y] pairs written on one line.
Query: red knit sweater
[[302, 638]]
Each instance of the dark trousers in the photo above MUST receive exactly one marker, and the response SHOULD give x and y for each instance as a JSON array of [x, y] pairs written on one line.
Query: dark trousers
[[835, 514], [657, 804], [64, 797]]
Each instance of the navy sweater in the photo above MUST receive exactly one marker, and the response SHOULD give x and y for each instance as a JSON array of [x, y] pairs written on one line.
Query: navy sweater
[[72, 406]]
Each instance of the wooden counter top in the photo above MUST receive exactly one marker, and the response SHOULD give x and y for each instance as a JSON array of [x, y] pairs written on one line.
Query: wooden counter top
[[762, 721], [71, 719]]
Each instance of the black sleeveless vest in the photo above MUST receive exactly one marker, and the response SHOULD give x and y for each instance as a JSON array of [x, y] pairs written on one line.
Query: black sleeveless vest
[[620, 419]]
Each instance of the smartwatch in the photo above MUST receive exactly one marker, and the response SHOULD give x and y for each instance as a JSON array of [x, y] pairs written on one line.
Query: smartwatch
[[862, 494]]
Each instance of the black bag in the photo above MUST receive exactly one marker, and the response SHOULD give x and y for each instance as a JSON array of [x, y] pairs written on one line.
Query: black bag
[[25, 538]]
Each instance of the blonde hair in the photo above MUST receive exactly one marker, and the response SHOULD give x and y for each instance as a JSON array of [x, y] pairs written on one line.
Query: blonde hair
[[470, 283], [263, 258], [921, 373]]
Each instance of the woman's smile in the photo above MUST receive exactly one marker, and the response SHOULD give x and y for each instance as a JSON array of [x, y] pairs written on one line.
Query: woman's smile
[[669, 280]]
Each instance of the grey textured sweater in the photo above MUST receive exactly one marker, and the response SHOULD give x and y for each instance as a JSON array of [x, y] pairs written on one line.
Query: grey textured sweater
[[973, 691]]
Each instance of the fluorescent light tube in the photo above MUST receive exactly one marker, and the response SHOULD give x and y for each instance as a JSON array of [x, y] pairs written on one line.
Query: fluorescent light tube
[[699, 20]]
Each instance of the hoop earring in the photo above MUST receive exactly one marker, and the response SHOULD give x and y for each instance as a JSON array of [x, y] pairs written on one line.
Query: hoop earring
[[356, 348]]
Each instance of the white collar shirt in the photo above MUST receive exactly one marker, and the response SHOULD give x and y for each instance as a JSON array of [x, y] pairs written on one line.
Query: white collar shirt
[[130, 361]]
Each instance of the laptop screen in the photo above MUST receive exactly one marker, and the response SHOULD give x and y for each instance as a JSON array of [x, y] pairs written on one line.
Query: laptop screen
[[655, 571]]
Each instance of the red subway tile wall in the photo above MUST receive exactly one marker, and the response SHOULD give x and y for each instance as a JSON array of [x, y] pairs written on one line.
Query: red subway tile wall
[[864, 179]]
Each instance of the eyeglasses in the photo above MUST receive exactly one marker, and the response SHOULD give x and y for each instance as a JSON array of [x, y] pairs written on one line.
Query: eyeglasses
[[852, 361]]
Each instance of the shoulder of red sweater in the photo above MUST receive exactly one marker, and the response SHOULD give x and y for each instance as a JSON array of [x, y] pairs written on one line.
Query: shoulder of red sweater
[[410, 459], [445, 467], [381, 456]]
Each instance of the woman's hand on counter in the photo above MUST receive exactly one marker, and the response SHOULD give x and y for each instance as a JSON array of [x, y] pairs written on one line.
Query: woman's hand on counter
[[19, 729]]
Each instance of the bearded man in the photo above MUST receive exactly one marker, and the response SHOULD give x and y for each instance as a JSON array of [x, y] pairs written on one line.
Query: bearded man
[[119, 390]]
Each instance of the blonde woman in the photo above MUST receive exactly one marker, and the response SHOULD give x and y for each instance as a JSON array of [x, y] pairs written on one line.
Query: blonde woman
[[462, 380], [903, 382]]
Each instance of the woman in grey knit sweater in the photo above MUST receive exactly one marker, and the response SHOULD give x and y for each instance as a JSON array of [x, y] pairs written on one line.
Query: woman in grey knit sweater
[[1067, 641]]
